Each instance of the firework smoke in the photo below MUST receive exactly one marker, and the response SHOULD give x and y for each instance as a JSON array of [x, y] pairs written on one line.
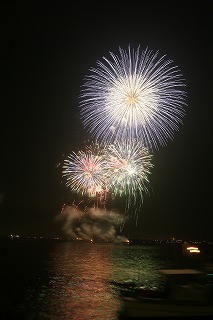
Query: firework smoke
[[91, 224]]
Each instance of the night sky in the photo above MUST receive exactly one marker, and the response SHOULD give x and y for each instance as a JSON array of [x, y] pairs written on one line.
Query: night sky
[[46, 50]]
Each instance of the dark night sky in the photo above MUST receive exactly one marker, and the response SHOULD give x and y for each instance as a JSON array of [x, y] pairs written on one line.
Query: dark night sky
[[46, 51]]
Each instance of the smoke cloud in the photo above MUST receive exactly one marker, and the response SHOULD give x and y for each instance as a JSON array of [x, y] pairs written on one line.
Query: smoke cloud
[[92, 223]]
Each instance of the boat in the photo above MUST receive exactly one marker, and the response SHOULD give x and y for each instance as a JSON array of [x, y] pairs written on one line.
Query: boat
[[186, 294]]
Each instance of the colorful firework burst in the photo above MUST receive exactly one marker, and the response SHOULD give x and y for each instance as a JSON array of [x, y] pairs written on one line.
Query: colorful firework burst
[[136, 94], [119, 170], [84, 171], [129, 164]]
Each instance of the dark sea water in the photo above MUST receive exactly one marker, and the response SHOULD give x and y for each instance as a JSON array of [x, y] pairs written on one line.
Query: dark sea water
[[63, 280]]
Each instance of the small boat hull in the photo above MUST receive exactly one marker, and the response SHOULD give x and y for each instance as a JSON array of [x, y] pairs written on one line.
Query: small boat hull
[[188, 295], [154, 308]]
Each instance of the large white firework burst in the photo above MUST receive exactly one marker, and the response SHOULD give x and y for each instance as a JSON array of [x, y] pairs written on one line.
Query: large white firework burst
[[136, 94]]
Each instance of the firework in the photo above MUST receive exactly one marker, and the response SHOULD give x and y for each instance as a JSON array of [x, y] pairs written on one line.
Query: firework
[[120, 169], [129, 165], [84, 171], [136, 94]]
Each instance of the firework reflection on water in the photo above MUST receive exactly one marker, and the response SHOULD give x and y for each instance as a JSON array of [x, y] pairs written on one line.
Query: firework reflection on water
[[73, 279]]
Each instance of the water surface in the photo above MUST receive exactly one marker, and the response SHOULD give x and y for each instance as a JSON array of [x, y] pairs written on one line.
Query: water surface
[[49, 279]]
